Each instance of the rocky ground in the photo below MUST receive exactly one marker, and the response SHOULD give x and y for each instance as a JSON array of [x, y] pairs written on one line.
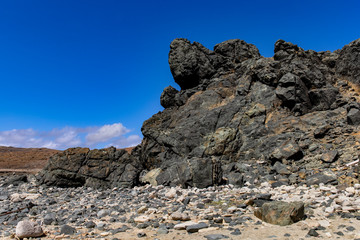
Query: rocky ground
[[158, 212]]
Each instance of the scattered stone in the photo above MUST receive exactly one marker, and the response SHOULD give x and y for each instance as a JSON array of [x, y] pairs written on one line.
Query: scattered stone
[[162, 231], [180, 216], [313, 233], [140, 235], [330, 156], [196, 227], [90, 224], [103, 213], [215, 236], [182, 226], [236, 232], [27, 229], [67, 230], [281, 213]]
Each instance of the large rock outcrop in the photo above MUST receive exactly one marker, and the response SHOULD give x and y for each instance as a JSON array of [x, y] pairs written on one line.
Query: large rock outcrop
[[102, 168], [236, 115]]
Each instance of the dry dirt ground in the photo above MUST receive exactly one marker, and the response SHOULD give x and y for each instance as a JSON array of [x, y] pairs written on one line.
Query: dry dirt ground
[[29, 160]]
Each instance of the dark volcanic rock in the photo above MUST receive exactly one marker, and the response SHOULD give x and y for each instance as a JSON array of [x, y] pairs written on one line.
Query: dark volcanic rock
[[348, 63], [167, 98], [189, 63], [236, 116], [94, 168]]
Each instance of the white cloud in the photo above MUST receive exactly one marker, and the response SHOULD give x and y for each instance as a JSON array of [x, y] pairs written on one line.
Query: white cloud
[[107, 135], [123, 142]]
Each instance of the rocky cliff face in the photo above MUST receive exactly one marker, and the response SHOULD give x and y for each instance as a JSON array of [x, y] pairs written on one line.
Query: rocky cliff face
[[239, 117]]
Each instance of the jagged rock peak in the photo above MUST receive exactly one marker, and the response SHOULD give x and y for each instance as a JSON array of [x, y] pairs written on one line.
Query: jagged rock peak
[[192, 64]]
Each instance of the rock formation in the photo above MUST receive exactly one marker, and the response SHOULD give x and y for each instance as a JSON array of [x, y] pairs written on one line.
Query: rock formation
[[238, 117]]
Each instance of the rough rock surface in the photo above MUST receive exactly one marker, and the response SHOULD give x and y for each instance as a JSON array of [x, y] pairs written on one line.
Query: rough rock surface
[[27, 229], [281, 213], [102, 168], [236, 115]]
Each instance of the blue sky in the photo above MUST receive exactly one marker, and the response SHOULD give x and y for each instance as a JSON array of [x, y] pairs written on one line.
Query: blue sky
[[88, 73]]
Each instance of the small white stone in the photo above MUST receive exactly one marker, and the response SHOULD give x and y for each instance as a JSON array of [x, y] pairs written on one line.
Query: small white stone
[[329, 209], [171, 193], [141, 219], [357, 186], [350, 190], [232, 209], [349, 209], [324, 223]]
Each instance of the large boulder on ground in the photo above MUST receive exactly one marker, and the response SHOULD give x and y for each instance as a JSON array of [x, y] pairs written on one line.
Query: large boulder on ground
[[28, 229], [281, 213]]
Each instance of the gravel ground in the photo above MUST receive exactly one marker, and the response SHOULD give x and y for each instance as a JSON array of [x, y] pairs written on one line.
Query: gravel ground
[[149, 212]]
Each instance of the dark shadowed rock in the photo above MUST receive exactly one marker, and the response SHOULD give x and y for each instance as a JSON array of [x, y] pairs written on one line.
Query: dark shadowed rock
[[348, 63], [353, 116], [237, 50], [189, 63], [281, 213], [325, 177], [93, 168], [167, 98], [196, 227]]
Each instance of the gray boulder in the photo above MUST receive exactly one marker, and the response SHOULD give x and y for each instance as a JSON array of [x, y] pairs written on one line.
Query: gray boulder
[[281, 213], [27, 229]]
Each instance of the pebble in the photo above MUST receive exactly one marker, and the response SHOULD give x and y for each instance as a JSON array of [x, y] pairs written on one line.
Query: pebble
[[67, 230], [215, 236], [196, 227]]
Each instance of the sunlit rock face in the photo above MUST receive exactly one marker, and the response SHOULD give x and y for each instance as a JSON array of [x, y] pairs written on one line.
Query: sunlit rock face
[[235, 116]]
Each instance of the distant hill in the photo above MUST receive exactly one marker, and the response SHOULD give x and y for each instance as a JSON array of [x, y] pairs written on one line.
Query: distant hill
[[24, 159]]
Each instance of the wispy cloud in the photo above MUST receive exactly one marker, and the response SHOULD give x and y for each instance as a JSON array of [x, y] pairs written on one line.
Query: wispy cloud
[[93, 137]]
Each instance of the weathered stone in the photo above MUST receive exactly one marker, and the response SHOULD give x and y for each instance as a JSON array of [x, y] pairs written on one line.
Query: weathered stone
[[196, 227], [167, 98], [325, 177], [215, 236], [189, 63], [67, 230], [330, 156], [237, 50], [27, 229], [281, 213], [182, 226], [93, 168], [348, 63], [353, 116]]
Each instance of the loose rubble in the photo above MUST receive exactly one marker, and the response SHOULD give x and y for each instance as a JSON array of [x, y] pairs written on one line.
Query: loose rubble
[[158, 212]]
